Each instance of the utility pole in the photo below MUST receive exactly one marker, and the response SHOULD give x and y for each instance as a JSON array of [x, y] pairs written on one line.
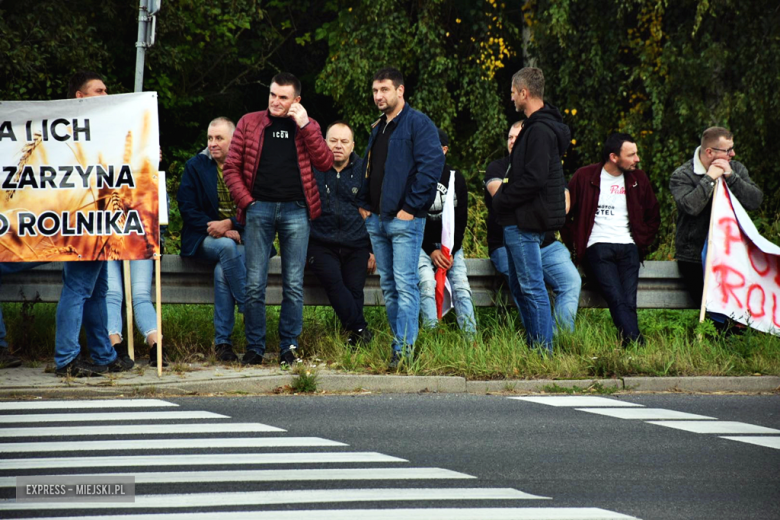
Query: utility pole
[[147, 22]]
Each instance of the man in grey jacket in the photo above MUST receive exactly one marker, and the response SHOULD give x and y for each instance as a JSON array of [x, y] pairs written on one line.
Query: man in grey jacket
[[692, 186]]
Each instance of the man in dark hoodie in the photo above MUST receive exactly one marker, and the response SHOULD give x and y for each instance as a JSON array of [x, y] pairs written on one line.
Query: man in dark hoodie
[[432, 257], [339, 248], [531, 201], [613, 220]]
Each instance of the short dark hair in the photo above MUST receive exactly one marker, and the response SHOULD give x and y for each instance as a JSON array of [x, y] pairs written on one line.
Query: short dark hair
[[390, 73], [712, 135], [285, 78], [342, 123], [515, 125], [613, 144], [530, 78], [79, 79]]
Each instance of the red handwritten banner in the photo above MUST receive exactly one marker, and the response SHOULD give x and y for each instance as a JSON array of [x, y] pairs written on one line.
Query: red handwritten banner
[[744, 267]]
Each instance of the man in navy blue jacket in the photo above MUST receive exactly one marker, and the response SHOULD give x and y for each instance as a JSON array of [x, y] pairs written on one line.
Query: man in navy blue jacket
[[402, 168], [339, 248], [210, 230]]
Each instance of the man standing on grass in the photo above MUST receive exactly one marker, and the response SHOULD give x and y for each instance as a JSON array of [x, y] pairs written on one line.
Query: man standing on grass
[[613, 220], [84, 288], [402, 168], [212, 232], [559, 271], [692, 186], [531, 201], [269, 174]]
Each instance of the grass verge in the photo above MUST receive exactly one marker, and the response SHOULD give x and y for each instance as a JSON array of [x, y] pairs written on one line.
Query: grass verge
[[676, 344]]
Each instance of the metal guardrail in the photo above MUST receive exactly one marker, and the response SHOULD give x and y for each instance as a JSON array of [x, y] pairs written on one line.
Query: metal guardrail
[[186, 280]]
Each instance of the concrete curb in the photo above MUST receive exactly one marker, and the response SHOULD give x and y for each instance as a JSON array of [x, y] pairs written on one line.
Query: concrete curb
[[33, 382]]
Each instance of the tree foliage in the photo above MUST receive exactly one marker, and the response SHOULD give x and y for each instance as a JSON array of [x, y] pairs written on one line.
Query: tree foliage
[[660, 70]]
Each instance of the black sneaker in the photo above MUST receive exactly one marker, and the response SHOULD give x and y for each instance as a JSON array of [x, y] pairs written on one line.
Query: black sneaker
[[289, 358], [8, 360], [120, 365], [394, 361], [225, 353], [80, 368], [121, 353], [153, 357], [252, 357], [359, 338]]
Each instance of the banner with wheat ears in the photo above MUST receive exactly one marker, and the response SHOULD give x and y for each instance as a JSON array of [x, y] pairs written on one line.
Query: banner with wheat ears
[[79, 179]]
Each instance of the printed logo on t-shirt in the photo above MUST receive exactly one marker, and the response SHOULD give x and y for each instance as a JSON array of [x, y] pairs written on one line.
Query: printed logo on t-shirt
[[280, 134]]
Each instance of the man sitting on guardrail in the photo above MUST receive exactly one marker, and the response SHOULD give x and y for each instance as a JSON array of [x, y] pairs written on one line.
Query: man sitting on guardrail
[[339, 247], [433, 258], [211, 231], [613, 220], [559, 271], [692, 186]]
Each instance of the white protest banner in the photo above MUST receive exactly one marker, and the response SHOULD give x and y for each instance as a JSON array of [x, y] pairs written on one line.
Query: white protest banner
[[744, 267], [79, 179]]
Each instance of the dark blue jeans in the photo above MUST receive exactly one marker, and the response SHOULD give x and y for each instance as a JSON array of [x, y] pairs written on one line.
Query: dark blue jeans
[[615, 269]]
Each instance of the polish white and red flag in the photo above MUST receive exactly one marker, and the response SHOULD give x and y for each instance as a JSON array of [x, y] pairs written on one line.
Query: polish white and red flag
[[742, 270], [443, 289]]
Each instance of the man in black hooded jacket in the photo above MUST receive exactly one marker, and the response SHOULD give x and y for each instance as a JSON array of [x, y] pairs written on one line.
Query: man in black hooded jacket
[[531, 201]]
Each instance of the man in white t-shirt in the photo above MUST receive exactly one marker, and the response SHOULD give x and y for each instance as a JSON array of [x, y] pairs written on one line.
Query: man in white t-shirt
[[613, 220]]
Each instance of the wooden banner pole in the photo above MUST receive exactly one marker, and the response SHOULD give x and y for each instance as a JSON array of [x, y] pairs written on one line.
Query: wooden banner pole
[[708, 261], [158, 289], [129, 308]]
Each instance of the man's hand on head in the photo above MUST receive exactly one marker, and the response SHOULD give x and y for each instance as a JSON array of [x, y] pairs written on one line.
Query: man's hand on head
[[441, 261], [218, 228], [299, 114]]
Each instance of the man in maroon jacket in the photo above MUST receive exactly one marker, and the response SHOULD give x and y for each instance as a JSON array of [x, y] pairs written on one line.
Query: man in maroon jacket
[[613, 220], [269, 174]]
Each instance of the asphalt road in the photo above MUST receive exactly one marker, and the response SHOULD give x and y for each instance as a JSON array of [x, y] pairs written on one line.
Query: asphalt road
[[577, 459]]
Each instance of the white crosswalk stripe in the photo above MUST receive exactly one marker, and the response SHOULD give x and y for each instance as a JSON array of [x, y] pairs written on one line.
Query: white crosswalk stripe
[[273, 475], [766, 442], [305, 496], [722, 427], [76, 405], [166, 444], [504, 513], [197, 460], [118, 416], [163, 506], [138, 429], [574, 401], [644, 413]]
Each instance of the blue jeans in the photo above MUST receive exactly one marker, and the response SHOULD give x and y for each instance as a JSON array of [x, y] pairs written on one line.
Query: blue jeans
[[141, 286], [615, 267], [526, 281], [83, 301], [9, 268], [396, 245], [263, 221], [461, 292], [560, 274], [225, 302]]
